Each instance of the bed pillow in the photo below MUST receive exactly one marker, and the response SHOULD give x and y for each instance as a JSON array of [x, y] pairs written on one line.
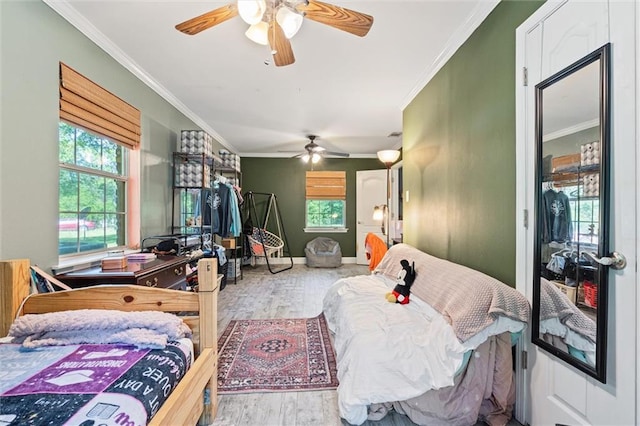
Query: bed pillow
[[468, 299]]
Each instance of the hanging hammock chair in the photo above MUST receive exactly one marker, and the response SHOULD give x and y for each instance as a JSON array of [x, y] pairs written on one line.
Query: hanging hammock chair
[[264, 243]]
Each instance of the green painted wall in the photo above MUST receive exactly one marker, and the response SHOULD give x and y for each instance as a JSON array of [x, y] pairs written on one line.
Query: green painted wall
[[285, 177], [34, 40], [459, 151]]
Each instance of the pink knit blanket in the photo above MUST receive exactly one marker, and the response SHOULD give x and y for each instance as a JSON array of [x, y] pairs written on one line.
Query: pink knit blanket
[[468, 299], [145, 329]]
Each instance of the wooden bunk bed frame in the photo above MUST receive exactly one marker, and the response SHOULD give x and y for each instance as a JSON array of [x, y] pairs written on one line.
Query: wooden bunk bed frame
[[186, 404]]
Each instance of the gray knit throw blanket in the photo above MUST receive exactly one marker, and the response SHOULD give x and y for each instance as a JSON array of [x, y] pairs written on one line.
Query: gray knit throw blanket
[[144, 329]]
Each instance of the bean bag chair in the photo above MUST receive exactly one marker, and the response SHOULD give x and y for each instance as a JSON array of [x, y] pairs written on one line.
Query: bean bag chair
[[323, 252]]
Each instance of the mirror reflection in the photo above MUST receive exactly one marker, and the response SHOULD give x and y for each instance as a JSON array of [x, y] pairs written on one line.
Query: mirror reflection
[[571, 140]]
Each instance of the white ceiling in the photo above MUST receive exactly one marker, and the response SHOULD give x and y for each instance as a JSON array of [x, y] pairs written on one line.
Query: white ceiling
[[350, 91]]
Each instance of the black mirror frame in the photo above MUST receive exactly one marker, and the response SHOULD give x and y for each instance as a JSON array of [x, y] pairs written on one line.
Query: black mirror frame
[[599, 372]]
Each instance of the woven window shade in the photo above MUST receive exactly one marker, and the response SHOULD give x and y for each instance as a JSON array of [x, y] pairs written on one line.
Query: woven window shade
[[326, 185], [85, 104]]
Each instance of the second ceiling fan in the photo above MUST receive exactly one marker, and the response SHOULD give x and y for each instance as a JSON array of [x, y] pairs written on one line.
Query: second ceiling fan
[[274, 22], [314, 152]]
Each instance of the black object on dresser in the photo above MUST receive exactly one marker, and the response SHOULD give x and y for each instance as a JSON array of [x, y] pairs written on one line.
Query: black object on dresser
[[164, 272]]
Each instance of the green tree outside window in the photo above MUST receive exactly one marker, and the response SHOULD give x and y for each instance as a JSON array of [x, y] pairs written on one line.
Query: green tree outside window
[[92, 192]]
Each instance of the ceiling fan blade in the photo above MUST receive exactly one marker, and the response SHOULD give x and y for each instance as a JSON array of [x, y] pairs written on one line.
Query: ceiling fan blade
[[208, 20], [337, 17], [280, 45], [336, 154]]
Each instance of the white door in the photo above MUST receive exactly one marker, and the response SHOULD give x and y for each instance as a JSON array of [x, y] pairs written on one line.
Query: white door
[[371, 191], [558, 34], [395, 222]]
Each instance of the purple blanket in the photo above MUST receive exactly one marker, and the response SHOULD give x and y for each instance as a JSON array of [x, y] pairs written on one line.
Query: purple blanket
[[89, 384]]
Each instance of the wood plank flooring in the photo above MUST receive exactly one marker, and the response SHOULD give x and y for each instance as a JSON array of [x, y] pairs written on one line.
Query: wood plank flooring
[[296, 293]]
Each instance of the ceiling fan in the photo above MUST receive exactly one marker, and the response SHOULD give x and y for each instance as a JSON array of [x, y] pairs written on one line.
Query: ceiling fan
[[274, 22], [315, 152]]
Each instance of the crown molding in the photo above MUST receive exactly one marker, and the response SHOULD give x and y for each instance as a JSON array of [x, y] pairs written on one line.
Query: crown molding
[[479, 14], [571, 130], [71, 15]]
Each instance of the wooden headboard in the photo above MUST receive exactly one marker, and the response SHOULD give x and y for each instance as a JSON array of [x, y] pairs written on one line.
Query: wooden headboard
[[15, 286]]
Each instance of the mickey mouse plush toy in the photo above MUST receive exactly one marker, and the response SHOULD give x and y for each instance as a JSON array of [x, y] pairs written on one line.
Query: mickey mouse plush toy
[[402, 290]]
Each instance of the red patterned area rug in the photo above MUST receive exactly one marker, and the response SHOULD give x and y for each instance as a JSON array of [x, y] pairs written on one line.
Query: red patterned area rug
[[276, 355]]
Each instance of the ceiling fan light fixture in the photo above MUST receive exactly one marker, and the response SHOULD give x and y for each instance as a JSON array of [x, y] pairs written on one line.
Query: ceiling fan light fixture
[[305, 158], [251, 11], [289, 20], [315, 157], [259, 33]]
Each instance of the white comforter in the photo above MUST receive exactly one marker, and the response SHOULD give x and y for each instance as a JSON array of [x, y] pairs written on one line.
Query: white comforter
[[386, 351]]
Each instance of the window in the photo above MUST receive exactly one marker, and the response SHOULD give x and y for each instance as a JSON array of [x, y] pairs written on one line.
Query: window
[[585, 215], [92, 192], [325, 201], [98, 138]]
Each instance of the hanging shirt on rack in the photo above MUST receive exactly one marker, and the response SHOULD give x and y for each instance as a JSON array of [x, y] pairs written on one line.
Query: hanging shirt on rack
[[221, 223], [202, 209], [556, 217], [235, 228]]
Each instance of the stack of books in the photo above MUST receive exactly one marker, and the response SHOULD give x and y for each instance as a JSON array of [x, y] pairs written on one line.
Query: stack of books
[[141, 257], [114, 262]]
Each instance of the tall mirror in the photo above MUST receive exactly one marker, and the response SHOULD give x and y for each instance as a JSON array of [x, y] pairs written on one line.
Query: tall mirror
[[572, 205]]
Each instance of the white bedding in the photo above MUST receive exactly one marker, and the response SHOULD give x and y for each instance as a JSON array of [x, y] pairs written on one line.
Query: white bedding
[[555, 327], [373, 336], [388, 351]]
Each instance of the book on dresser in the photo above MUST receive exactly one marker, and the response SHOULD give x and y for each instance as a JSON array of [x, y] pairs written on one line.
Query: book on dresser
[[141, 257], [114, 262]]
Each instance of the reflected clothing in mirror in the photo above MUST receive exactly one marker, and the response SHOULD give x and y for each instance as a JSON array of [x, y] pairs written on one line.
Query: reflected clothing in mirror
[[556, 220], [572, 214]]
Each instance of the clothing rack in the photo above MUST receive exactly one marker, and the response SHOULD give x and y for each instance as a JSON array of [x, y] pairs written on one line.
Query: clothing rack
[[262, 232]]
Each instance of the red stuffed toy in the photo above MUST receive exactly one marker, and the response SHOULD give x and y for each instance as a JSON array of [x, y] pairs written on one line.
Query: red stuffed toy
[[402, 290]]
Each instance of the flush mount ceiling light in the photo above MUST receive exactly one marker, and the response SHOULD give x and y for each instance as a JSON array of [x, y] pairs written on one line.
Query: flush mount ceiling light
[[274, 22]]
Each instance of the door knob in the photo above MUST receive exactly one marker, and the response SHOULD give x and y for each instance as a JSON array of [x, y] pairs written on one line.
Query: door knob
[[615, 261]]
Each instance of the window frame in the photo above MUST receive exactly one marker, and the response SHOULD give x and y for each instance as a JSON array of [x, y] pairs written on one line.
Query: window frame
[[577, 201], [329, 186], [122, 177]]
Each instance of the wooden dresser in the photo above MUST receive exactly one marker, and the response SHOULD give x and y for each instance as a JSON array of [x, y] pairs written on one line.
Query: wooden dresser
[[164, 272]]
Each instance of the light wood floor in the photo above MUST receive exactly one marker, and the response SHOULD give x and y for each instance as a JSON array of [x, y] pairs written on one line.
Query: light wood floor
[[296, 293]]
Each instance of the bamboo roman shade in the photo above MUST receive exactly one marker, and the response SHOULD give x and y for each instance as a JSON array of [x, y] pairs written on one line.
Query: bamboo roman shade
[[326, 185], [85, 104]]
